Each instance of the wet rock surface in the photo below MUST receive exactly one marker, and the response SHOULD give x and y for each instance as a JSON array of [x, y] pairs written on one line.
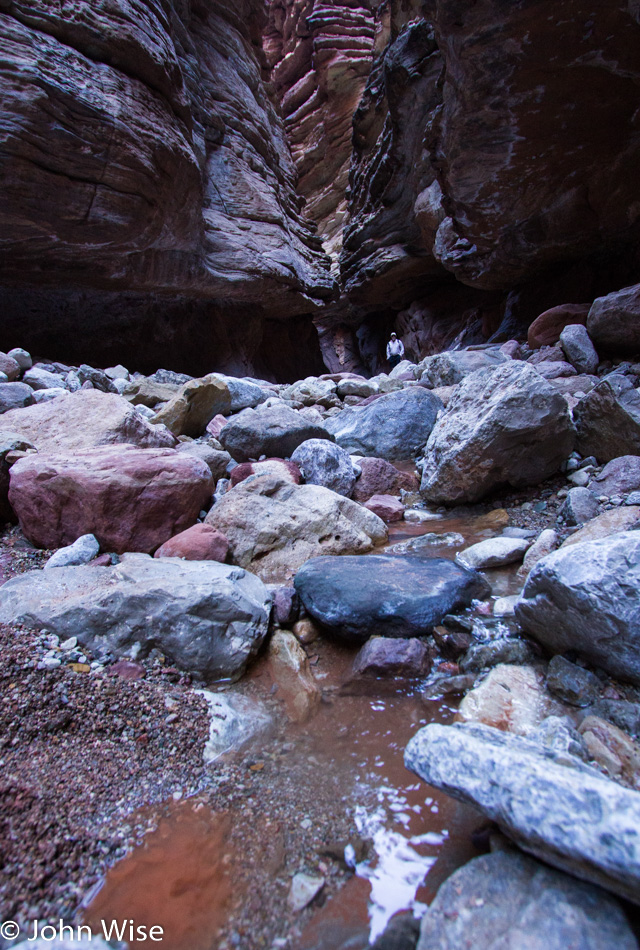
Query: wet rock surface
[[577, 820], [355, 597]]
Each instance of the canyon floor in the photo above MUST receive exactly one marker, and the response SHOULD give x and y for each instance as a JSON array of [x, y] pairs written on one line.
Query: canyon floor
[[255, 794]]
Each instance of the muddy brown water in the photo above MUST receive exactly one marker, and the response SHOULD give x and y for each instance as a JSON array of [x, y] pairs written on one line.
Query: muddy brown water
[[182, 876]]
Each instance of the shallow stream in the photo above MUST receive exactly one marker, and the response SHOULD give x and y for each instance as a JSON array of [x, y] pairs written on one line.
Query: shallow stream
[[345, 765]]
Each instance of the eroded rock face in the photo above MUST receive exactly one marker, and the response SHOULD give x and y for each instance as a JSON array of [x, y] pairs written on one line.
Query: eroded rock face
[[144, 154]]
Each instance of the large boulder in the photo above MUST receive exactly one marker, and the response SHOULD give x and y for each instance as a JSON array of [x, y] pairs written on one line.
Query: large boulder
[[586, 598], [395, 426], [379, 477], [244, 393], [449, 368], [549, 803], [395, 596], [614, 321], [273, 526], [131, 499], [618, 478], [578, 348], [546, 328], [194, 406], [609, 522], [84, 419], [508, 901], [275, 431], [206, 618], [506, 427], [325, 463], [608, 419]]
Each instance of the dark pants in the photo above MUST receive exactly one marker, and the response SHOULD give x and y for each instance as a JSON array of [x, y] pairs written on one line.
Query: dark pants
[[394, 360]]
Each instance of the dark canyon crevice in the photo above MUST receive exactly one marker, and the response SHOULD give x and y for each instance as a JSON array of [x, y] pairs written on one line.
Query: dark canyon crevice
[[238, 185]]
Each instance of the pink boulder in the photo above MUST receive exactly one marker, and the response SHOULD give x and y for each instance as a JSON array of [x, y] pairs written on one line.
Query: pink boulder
[[201, 542], [216, 425], [546, 329], [131, 499], [380, 477], [287, 470], [386, 507]]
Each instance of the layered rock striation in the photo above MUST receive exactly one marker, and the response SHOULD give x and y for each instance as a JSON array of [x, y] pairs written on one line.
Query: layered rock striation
[[147, 180]]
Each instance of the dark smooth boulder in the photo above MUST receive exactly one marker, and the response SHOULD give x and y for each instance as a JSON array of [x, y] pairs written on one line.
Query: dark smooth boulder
[[358, 596]]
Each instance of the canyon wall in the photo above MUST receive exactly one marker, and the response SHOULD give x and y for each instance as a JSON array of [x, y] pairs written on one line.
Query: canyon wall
[[193, 182], [148, 191], [492, 167]]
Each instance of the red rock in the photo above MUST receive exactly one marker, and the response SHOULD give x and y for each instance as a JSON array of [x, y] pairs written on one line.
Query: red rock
[[103, 560], [546, 329], [201, 542], [131, 499], [288, 470], [127, 670], [386, 507], [216, 425], [380, 477]]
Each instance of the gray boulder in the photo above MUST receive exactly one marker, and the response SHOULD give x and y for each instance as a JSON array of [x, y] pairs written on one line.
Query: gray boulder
[[38, 378], [571, 683], [507, 427], [578, 348], [325, 463], [216, 459], [395, 426], [22, 357], [15, 396], [275, 431], [80, 552], [586, 597], [494, 552], [507, 901], [579, 506], [244, 394], [614, 321], [205, 617], [449, 368], [608, 419], [619, 477], [550, 803], [400, 596]]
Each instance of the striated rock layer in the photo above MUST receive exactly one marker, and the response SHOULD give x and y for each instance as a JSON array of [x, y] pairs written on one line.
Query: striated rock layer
[[143, 156]]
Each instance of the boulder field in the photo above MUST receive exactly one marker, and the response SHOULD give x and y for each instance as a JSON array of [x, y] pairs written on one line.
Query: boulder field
[[464, 546]]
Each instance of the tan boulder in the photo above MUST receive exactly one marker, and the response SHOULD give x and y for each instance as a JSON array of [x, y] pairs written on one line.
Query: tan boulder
[[609, 522], [292, 674], [273, 526], [194, 406], [612, 749], [510, 698], [82, 420]]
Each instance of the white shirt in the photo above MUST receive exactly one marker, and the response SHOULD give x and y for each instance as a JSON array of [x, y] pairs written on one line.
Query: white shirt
[[395, 348]]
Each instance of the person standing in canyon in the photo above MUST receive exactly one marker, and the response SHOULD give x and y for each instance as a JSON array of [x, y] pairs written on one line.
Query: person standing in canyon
[[395, 351]]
